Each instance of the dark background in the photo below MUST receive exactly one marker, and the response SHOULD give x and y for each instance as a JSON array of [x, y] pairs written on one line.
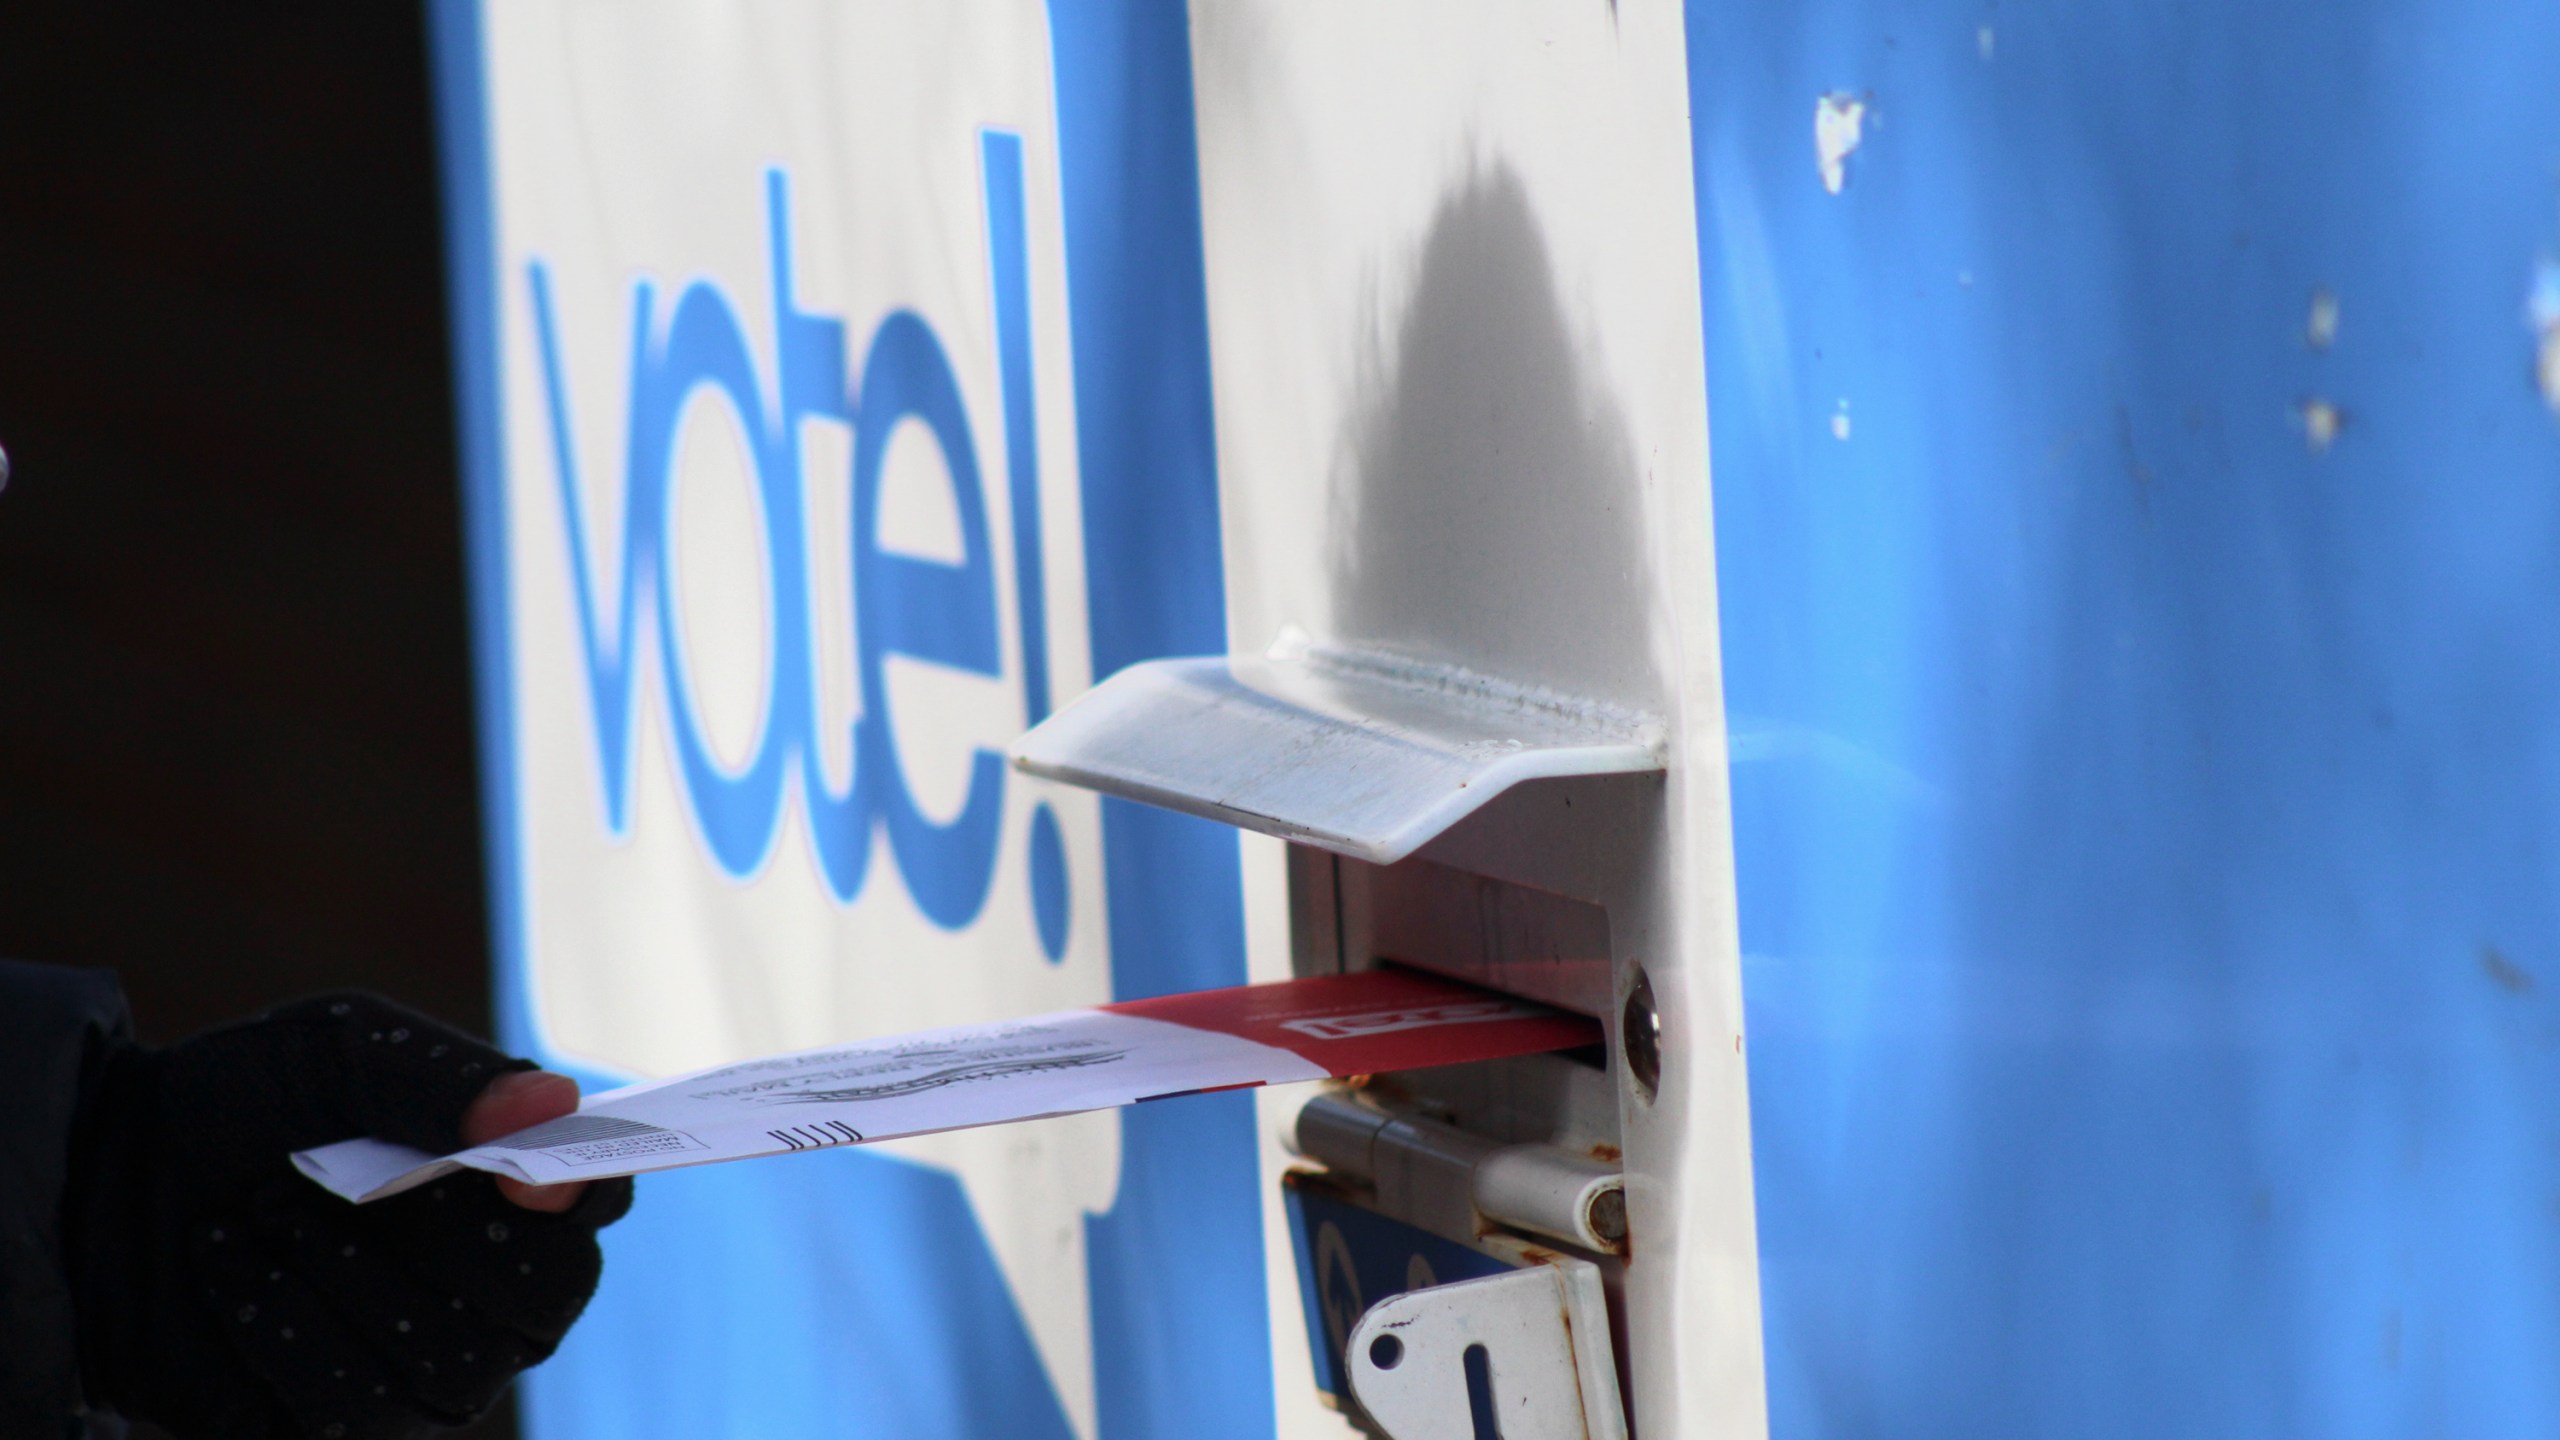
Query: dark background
[[236, 752]]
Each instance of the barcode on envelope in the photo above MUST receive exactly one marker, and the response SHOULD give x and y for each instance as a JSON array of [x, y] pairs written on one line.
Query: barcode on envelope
[[591, 1139]]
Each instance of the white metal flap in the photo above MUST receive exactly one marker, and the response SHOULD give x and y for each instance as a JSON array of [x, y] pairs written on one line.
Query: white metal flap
[[1367, 756]]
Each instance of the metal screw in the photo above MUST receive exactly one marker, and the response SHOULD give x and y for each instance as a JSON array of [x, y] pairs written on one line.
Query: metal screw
[[1607, 1216], [1640, 1036]]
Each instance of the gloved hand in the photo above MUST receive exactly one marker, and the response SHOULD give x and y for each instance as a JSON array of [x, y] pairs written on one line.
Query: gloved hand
[[223, 1296]]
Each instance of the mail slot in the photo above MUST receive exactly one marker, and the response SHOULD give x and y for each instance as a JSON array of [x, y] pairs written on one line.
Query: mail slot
[[1519, 1161], [1464, 1234]]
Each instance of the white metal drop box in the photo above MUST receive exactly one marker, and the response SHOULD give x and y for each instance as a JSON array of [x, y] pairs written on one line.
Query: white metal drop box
[[1462, 1234]]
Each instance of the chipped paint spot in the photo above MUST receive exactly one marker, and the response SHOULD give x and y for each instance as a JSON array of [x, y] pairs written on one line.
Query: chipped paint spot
[[2320, 331], [1840, 420], [2542, 307], [2321, 422], [1838, 120], [1984, 42]]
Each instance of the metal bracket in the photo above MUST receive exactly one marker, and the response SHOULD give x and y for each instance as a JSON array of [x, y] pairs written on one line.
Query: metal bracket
[[1518, 1356], [1442, 1178]]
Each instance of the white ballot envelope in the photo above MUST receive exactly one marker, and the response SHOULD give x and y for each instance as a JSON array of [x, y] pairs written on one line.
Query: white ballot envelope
[[951, 1079]]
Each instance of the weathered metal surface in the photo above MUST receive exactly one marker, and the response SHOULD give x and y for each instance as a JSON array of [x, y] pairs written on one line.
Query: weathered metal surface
[[2138, 533]]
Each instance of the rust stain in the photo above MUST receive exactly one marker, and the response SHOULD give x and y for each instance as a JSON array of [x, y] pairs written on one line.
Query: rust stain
[[1582, 1397], [1564, 1313], [2507, 974], [1606, 1151]]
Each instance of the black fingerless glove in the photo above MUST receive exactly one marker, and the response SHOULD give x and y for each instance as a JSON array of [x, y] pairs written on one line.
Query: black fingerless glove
[[222, 1296]]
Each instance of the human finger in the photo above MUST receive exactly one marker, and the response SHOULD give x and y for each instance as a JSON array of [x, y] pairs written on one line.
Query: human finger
[[520, 1101]]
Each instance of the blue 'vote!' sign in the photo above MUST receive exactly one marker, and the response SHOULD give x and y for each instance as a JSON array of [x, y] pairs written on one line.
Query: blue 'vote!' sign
[[934, 611]]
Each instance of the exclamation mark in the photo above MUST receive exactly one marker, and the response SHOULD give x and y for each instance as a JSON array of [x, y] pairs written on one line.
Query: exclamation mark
[[1000, 159]]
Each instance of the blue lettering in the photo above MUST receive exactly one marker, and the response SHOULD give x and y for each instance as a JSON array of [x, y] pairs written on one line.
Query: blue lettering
[[1001, 163], [705, 347], [939, 613]]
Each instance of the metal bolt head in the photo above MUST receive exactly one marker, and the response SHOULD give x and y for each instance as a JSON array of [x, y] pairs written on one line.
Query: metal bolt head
[[1607, 1216], [1640, 1037]]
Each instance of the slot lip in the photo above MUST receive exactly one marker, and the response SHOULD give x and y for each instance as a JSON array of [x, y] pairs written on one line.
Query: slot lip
[[1360, 753]]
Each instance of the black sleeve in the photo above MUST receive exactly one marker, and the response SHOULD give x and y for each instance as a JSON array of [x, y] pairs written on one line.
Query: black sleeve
[[56, 1025], [221, 1295]]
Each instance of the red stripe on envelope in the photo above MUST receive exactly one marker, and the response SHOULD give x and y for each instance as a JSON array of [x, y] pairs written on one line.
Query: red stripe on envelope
[[1375, 1020]]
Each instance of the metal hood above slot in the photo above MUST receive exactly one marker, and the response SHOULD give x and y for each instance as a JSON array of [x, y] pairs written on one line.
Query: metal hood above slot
[[1363, 755]]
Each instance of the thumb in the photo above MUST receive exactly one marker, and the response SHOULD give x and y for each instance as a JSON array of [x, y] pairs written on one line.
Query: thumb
[[520, 1101]]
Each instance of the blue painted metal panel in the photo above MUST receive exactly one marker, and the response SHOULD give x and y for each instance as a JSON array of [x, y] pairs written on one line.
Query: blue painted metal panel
[[2147, 821]]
